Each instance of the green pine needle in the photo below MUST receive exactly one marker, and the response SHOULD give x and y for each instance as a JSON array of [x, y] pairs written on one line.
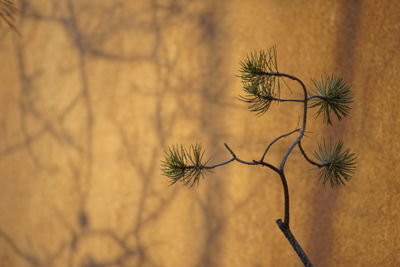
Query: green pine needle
[[258, 96], [335, 96], [184, 165], [337, 165], [260, 89]]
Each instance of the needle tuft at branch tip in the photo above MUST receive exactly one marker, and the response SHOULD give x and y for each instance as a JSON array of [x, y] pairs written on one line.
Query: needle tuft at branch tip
[[184, 165], [337, 165]]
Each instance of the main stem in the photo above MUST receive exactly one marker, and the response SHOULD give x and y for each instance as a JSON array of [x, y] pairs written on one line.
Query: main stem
[[285, 226], [297, 141], [293, 241], [285, 188]]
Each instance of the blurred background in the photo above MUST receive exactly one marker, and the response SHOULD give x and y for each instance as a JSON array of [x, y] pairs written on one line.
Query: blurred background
[[94, 92]]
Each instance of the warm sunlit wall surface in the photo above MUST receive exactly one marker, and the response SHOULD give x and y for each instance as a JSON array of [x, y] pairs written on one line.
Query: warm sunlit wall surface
[[93, 92]]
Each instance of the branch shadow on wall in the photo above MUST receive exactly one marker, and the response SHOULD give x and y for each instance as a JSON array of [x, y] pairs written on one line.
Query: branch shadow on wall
[[89, 41]]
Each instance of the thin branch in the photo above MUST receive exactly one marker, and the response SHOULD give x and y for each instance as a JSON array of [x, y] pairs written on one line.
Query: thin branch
[[254, 162], [239, 160], [286, 100], [266, 164], [230, 150], [219, 164], [234, 158], [297, 100], [307, 158], [317, 96], [274, 141]]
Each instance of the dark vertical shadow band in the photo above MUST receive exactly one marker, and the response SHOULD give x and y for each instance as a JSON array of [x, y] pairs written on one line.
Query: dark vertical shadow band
[[322, 236]]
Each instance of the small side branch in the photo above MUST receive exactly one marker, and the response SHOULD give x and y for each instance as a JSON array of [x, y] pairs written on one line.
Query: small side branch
[[293, 242], [298, 100], [275, 140], [287, 100], [237, 159], [317, 96], [230, 151], [307, 158], [219, 164], [272, 167], [254, 162]]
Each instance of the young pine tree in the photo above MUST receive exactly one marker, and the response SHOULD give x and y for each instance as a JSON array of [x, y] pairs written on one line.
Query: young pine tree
[[331, 96]]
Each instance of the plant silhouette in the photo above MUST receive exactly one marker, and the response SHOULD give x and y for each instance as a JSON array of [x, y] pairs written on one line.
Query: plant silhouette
[[262, 87]]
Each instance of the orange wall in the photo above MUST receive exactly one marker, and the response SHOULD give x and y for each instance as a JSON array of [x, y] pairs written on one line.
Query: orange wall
[[93, 92]]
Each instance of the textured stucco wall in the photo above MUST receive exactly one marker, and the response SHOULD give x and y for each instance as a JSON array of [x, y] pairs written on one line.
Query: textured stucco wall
[[93, 92]]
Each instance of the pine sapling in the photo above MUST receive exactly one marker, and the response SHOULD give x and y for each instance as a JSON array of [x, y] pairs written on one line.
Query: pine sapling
[[261, 85]]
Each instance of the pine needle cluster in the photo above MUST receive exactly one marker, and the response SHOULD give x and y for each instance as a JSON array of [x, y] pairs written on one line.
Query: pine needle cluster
[[184, 165], [260, 77], [259, 87], [338, 165], [335, 96]]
